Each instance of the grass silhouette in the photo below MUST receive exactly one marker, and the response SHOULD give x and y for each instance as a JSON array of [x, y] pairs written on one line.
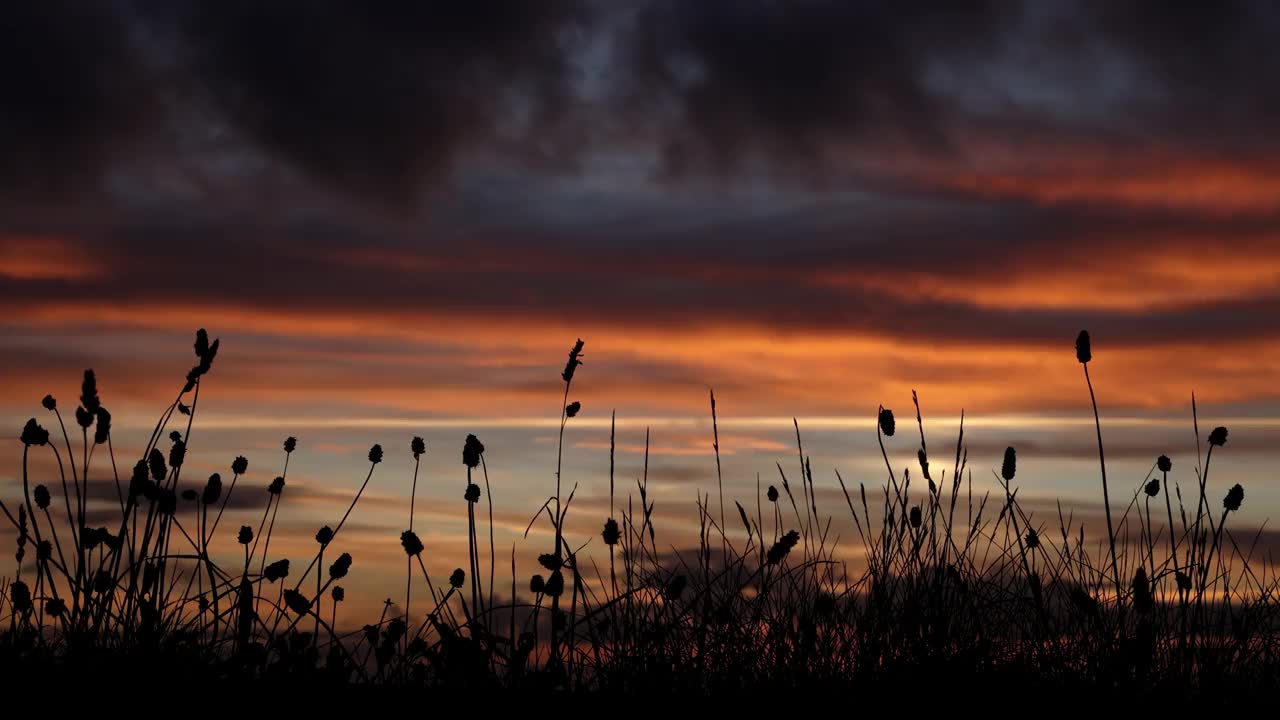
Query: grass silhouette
[[954, 587]]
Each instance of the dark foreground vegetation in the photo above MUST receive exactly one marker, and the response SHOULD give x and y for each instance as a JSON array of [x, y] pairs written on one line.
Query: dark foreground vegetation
[[952, 590]]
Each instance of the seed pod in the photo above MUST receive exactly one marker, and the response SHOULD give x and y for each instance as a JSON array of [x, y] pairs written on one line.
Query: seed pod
[[324, 535], [1084, 352], [1234, 497], [212, 490], [1218, 437], [1010, 466], [611, 534], [33, 434], [340, 567], [276, 570], [887, 424], [411, 543], [472, 449]]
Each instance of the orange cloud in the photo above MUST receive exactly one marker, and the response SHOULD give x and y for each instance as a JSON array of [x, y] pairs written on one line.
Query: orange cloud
[[45, 258]]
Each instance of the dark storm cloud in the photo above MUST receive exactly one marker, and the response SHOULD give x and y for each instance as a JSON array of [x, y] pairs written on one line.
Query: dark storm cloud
[[812, 88], [74, 95], [383, 101], [1211, 66], [378, 98], [788, 79]]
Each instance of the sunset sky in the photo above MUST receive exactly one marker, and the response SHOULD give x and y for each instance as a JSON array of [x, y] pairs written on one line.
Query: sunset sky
[[399, 222]]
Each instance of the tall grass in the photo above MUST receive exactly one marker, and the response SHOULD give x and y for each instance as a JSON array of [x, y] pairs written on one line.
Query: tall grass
[[939, 580]]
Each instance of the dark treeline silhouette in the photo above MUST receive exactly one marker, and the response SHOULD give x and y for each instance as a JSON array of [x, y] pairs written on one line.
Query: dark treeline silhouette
[[952, 589]]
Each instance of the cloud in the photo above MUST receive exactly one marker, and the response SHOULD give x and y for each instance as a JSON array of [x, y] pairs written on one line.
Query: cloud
[[75, 97], [794, 81], [379, 100]]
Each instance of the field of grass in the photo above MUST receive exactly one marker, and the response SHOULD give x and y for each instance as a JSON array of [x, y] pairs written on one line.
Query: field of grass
[[953, 588]]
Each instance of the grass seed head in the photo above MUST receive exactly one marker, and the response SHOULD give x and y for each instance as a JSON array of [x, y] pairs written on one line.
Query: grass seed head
[[573, 363], [1218, 437], [472, 449], [19, 595], [324, 536], [1084, 352], [887, 424], [103, 582], [276, 570], [555, 584], [782, 547], [411, 543], [33, 434], [212, 490], [102, 432], [177, 453], [297, 602], [1234, 497], [611, 534], [55, 607], [1009, 467], [89, 392], [1183, 580], [340, 567], [155, 463]]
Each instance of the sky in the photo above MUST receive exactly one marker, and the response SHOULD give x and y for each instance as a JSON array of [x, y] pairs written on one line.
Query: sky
[[399, 219]]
